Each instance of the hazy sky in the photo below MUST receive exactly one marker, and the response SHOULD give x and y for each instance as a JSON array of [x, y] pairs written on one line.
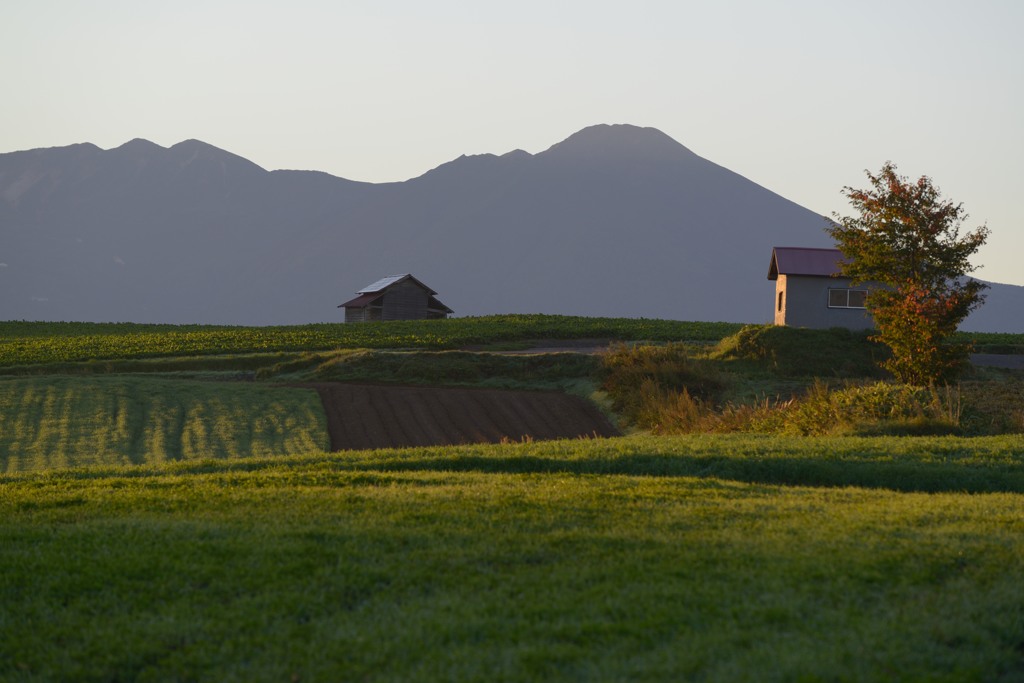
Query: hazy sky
[[799, 96]]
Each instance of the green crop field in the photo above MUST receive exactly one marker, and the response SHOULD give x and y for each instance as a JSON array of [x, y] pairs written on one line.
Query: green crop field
[[56, 422], [24, 343]]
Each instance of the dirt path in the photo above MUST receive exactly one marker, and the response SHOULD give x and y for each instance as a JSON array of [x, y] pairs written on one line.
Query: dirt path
[[993, 360], [542, 346], [363, 416]]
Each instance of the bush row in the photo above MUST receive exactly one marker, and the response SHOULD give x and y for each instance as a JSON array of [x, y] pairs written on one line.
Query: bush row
[[672, 390]]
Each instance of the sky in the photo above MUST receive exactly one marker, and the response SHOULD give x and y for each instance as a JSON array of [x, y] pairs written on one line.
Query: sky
[[799, 96]]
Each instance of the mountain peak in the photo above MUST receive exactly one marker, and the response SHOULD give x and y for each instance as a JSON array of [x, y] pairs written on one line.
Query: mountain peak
[[620, 141], [193, 146], [137, 152], [139, 145], [516, 154], [192, 150]]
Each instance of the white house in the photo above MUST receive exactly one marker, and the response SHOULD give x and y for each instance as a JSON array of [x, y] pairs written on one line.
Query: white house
[[809, 292]]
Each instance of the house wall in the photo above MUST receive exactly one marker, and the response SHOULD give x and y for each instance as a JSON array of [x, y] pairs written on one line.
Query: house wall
[[781, 300], [804, 303], [405, 301]]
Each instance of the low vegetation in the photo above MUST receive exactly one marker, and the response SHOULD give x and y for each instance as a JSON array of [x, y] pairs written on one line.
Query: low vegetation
[[447, 368], [797, 352], [794, 381], [992, 342], [640, 559]]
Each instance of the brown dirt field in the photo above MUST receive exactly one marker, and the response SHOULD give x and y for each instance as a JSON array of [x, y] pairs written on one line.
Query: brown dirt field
[[363, 416]]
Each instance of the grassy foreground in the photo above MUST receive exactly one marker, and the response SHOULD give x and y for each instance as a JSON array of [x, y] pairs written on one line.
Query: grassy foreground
[[717, 558]]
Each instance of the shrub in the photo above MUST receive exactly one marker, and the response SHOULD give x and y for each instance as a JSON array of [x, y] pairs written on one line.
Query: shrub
[[666, 390], [875, 409], [801, 352], [664, 411], [638, 378]]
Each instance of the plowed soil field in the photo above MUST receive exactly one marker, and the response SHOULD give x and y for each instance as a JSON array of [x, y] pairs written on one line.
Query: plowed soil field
[[361, 416]]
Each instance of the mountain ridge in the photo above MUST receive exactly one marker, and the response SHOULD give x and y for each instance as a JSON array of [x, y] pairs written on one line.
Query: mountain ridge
[[615, 220]]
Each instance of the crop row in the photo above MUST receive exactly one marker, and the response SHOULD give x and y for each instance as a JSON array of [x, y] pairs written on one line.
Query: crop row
[[56, 422], [24, 343]]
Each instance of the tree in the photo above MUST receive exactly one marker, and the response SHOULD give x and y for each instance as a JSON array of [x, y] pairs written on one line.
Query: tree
[[907, 240]]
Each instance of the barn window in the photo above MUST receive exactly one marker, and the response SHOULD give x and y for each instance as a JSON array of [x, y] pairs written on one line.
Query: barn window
[[847, 298]]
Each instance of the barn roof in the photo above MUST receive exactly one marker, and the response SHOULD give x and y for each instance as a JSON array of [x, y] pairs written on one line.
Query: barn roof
[[434, 304], [804, 261], [361, 301], [385, 282]]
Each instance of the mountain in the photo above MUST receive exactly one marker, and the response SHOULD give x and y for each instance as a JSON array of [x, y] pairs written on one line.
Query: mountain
[[1003, 310], [613, 221]]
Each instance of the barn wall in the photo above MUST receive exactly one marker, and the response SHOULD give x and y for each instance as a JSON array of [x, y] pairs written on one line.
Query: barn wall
[[405, 301], [362, 315]]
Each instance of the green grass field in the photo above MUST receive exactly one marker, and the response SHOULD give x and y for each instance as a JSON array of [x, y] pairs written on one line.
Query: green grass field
[[157, 525], [649, 559]]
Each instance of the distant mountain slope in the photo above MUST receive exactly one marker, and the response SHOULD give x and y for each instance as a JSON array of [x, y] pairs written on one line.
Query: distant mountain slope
[[613, 221], [145, 233], [1003, 310]]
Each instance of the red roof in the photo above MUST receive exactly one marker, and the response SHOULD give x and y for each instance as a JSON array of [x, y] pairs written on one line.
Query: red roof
[[804, 261], [361, 301]]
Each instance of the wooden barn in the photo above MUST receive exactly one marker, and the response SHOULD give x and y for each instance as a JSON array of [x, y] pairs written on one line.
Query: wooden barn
[[398, 297]]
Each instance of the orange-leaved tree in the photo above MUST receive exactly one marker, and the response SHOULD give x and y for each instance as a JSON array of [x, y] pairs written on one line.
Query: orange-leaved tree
[[908, 240]]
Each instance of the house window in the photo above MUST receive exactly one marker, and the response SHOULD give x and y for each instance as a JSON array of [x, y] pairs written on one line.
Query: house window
[[847, 298], [780, 300]]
